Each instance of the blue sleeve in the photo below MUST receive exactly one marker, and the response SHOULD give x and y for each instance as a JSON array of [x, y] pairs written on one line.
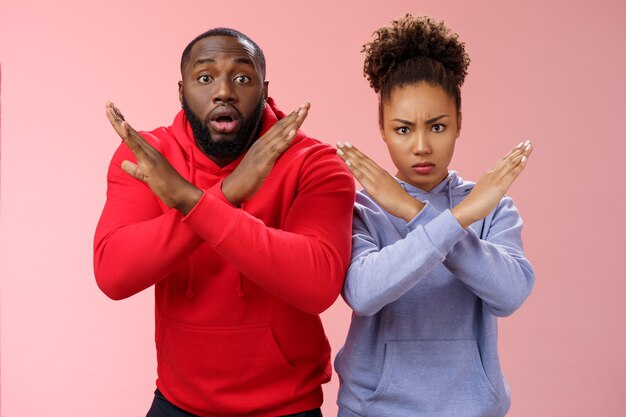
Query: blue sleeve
[[494, 267], [380, 275]]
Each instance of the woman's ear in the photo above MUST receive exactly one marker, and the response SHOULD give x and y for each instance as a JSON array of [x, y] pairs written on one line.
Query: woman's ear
[[381, 122]]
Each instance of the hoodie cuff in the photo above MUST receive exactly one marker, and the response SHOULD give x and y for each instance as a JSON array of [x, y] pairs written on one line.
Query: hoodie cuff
[[427, 214], [444, 231], [213, 217], [216, 191]]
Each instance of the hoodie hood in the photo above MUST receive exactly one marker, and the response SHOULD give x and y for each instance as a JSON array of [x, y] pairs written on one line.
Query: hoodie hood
[[181, 130], [452, 185], [197, 160]]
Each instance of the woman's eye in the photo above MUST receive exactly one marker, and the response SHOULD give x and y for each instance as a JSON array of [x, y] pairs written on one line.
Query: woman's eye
[[204, 79], [402, 130], [242, 79], [438, 128]]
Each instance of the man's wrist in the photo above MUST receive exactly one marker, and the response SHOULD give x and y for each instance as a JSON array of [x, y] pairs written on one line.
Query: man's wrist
[[188, 199], [229, 194]]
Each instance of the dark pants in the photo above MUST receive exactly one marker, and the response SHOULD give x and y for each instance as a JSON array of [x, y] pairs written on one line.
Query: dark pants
[[161, 407]]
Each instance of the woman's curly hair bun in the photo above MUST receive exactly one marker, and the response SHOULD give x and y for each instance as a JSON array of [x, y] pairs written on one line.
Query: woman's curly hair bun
[[411, 37]]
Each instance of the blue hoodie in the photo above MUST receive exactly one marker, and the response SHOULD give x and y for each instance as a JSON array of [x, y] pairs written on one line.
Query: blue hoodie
[[426, 296]]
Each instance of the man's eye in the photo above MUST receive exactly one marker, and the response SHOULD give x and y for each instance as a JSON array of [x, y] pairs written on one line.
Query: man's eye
[[204, 79], [242, 79], [438, 128]]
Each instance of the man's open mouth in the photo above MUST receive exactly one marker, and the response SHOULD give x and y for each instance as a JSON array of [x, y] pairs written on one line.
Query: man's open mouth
[[224, 119]]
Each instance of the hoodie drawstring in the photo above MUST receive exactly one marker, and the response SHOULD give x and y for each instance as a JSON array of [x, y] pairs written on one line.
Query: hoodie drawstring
[[450, 193], [192, 177], [189, 292], [240, 291]]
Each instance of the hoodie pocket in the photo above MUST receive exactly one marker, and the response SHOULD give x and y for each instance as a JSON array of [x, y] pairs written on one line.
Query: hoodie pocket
[[432, 378], [224, 370]]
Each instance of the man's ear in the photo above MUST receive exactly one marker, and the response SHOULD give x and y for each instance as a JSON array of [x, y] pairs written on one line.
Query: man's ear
[[180, 92], [459, 120], [265, 90]]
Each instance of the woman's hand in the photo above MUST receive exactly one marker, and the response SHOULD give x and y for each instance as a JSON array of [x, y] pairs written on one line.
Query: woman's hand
[[379, 184], [492, 186]]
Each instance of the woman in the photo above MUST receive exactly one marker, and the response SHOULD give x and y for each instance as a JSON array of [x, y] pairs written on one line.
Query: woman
[[435, 259]]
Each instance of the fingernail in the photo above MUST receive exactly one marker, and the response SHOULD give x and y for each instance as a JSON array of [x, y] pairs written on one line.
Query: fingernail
[[528, 146], [339, 152], [348, 163], [524, 159], [348, 145], [520, 144], [527, 143], [340, 144]]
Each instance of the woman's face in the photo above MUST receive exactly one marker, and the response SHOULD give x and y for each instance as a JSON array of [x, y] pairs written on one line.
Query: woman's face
[[420, 128]]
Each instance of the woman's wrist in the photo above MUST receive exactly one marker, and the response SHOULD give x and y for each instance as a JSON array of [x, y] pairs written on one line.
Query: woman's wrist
[[461, 214], [411, 207]]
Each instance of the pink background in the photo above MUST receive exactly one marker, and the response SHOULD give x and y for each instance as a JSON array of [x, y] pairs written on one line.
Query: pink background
[[549, 71]]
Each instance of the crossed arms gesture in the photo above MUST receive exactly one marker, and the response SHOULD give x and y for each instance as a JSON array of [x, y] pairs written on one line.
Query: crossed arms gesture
[[485, 196], [176, 192]]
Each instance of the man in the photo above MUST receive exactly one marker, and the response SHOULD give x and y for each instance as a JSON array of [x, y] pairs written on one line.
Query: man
[[242, 223]]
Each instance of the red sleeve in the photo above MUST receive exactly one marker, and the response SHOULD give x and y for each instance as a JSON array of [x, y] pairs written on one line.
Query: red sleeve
[[138, 241], [303, 264]]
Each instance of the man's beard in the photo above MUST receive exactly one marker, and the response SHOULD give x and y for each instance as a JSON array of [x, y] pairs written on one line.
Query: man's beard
[[245, 135]]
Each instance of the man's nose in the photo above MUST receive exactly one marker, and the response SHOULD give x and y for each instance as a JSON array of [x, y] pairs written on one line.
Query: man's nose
[[224, 91]]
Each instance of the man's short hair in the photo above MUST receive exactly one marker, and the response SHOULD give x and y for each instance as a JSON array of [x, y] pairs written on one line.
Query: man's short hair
[[223, 32]]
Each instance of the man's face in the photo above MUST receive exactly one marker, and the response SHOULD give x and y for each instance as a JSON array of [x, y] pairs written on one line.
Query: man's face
[[223, 94]]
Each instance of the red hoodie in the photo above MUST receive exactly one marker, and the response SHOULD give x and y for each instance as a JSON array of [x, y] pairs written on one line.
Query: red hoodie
[[237, 290]]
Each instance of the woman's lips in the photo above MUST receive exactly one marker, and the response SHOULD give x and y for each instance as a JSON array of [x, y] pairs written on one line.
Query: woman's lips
[[423, 167]]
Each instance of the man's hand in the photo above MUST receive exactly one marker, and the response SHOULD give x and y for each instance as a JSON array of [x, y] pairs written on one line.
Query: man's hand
[[152, 168], [492, 186], [379, 183], [251, 172]]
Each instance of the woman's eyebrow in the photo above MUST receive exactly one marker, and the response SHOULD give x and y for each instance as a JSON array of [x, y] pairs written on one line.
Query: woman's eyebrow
[[433, 120]]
